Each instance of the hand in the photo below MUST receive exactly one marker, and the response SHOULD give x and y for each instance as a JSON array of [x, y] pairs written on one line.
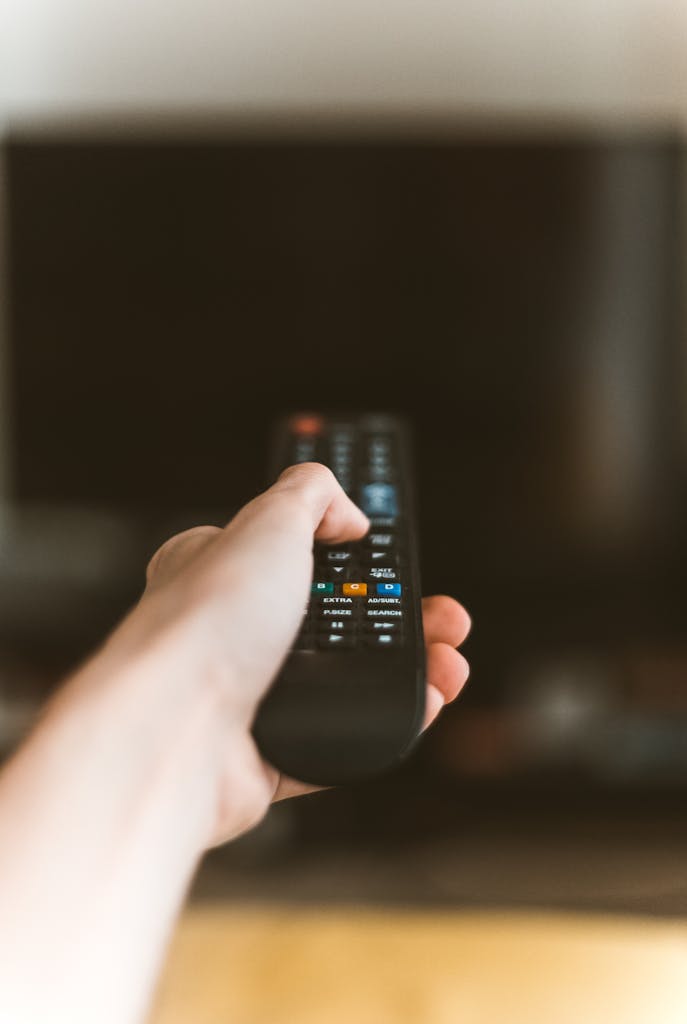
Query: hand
[[226, 604], [145, 757]]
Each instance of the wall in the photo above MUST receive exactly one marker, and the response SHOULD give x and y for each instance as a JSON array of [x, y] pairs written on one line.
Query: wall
[[550, 57]]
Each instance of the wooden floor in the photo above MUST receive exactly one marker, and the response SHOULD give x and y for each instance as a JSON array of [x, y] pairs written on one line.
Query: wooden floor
[[233, 965]]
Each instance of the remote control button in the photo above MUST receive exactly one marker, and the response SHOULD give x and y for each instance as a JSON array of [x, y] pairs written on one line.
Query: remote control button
[[386, 601], [380, 540], [384, 557], [339, 573], [383, 522], [355, 589], [341, 430], [339, 556], [336, 626], [304, 453], [336, 613], [305, 423], [322, 588], [379, 500], [389, 589], [380, 472], [375, 626], [342, 557], [384, 613], [382, 640], [329, 641], [342, 602], [383, 572]]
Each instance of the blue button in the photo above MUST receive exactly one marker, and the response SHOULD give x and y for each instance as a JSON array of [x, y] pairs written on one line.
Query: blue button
[[389, 589], [379, 500]]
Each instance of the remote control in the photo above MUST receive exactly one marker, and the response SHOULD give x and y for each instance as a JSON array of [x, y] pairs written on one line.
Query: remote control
[[349, 700]]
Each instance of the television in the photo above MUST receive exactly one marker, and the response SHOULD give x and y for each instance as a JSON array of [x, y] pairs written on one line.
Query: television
[[514, 296]]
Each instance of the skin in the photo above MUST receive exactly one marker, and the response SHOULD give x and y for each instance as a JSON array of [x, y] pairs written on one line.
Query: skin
[[144, 758]]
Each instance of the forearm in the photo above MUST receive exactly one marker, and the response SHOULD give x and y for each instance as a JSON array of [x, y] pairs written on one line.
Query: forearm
[[104, 813], [141, 761]]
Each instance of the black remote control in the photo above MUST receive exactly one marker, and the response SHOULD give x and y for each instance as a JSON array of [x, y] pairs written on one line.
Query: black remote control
[[349, 700]]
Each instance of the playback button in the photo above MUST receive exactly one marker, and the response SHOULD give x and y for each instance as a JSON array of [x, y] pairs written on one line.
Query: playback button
[[382, 640], [334, 641]]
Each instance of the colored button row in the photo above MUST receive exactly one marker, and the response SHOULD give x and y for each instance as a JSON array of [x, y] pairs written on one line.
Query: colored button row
[[358, 589]]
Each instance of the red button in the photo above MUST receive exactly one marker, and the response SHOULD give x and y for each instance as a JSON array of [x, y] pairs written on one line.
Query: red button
[[307, 424]]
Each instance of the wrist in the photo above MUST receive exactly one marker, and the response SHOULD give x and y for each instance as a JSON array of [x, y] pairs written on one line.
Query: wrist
[[111, 737], [162, 703]]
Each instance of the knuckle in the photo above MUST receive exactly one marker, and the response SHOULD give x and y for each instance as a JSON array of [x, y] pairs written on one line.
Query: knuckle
[[197, 531], [308, 472]]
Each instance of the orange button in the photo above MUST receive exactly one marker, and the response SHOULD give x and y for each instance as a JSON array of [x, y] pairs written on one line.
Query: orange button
[[306, 424], [355, 589]]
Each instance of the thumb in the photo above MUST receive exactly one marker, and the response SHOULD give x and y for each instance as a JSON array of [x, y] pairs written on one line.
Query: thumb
[[334, 517]]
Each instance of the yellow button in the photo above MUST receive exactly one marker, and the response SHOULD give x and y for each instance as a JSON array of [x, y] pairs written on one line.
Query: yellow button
[[355, 589]]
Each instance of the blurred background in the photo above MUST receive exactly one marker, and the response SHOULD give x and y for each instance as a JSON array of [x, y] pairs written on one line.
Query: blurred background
[[470, 214]]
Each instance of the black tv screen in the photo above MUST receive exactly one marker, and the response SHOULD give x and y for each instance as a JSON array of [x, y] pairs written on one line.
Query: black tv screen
[[513, 298]]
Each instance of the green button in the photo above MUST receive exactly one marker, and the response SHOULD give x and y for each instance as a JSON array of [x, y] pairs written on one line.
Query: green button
[[323, 588]]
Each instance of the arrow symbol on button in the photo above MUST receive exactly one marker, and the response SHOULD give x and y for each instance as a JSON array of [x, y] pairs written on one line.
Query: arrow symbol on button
[[338, 568]]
